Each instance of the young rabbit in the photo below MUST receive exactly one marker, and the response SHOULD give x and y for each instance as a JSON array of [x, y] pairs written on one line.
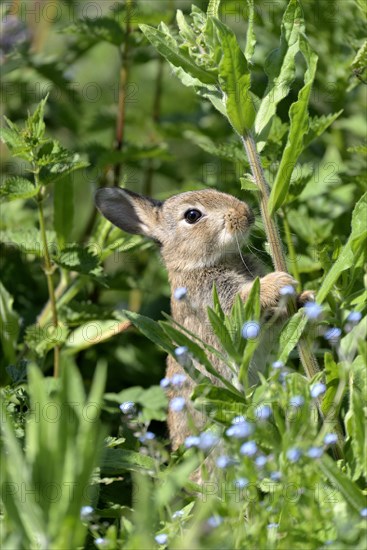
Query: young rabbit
[[200, 234]]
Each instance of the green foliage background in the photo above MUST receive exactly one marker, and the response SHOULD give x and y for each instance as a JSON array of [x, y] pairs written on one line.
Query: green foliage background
[[79, 53]]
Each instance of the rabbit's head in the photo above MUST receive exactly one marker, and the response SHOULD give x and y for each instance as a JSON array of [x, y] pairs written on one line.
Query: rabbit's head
[[195, 229]]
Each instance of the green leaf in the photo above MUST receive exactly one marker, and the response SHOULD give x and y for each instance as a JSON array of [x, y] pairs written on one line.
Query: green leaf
[[56, 162], [248, 184], [92, 333], [17, 188], [350, 491], [63, 210], [75, 257], [318, 125], [291, 334], [280, 66], [298, 116], [100, 29], [221, 332], [350, 252], [153, 401], [150, 329], [355, 419], [252, 313], [27, 240], [9, 325], [213, 8], [168, 47], [235, 80], [35, 126], [226, 151], [42, 339], [117, 461], [250, 36]]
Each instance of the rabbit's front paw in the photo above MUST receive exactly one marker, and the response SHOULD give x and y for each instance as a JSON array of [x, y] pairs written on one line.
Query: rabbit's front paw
[[273, 286]]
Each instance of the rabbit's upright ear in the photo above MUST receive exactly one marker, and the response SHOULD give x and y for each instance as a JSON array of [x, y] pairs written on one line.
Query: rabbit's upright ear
[[129, 211]]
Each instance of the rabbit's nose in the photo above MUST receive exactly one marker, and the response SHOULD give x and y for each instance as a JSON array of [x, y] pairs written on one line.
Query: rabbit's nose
[[238, 219]]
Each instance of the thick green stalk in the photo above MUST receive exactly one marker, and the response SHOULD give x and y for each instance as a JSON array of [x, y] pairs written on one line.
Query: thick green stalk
[[48, 270], [276, 248], [308, 359]]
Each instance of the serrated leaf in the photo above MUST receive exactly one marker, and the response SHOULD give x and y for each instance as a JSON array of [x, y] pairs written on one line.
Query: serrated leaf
[[213, 8], [168, 47], [280, 66], [9, 325], [100, 29], [42, 339], [318, 125], [351, 250], [235, 80], [17, 188], [75, 257], [27, 241], [250, 35], [248, 184], [226, 151], [298, 116]]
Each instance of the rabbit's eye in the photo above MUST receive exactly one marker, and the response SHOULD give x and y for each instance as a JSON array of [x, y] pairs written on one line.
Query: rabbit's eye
[[193, 215]]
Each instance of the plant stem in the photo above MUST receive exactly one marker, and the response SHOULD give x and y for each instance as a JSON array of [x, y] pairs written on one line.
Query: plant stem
[[276, 248], [291, 249], [308, 359], [156, 113], [121, 113], [48, 270]]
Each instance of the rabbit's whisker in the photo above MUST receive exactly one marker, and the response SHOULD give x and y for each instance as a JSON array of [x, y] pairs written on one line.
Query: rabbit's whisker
[[241, 256]]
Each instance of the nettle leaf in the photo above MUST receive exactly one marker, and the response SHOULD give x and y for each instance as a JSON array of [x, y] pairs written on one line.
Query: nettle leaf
[[235, 80], [131, 153], [298, 116], [75, 257], [350, 252], [167, 46], [42, 339], [28, 241], [35, 126], [9, 325], [100, 29], [280, 67], [56, 161], [226, 151], [16, 187], [248, 184], [318, 125], [77, 313]]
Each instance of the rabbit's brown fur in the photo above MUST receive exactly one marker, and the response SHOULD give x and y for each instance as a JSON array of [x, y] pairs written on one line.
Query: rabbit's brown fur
[[196, 255]]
